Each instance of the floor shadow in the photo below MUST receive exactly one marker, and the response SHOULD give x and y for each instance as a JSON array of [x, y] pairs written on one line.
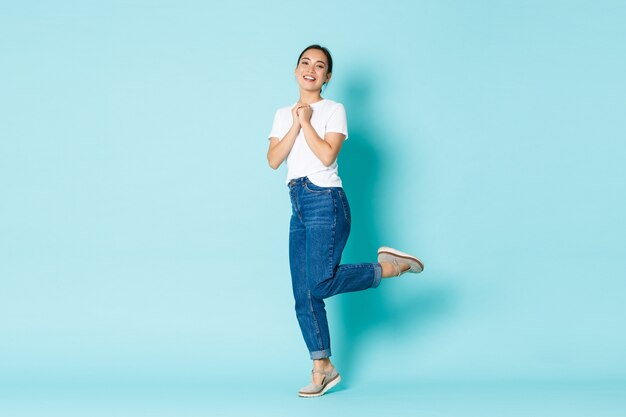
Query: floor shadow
[[362, 168]]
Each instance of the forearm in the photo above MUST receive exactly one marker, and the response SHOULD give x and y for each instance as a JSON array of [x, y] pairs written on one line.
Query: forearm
[[279, 152], [319, 146]]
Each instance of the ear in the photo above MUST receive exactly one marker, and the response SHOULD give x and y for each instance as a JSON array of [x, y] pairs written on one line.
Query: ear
[[330, 74]]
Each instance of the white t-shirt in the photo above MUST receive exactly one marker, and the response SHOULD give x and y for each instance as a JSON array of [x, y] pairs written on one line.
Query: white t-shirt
[[327, 116]]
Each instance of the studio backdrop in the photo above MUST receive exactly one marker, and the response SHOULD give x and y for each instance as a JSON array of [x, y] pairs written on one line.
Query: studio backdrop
[[143, 234]]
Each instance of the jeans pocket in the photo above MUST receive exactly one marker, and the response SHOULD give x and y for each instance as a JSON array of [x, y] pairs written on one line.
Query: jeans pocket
[[312, 188]]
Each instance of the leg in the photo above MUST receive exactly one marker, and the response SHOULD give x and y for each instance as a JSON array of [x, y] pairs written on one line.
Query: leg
[[327, 231], [310, 311], [325, 243]]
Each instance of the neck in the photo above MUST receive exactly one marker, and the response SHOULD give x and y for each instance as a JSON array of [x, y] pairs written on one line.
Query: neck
[[310, 97]]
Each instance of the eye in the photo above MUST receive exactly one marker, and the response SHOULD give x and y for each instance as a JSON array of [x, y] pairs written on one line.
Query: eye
[[304, 62], [320, 66]]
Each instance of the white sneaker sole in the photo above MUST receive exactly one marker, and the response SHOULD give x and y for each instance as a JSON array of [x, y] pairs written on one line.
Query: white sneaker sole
[[328, 386], [386, 254]]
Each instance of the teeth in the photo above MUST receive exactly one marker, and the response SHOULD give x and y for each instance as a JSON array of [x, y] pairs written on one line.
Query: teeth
[[308, 77]]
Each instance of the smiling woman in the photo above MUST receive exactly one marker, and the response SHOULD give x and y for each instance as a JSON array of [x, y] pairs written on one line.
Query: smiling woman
[[309, 136], [316, 68]]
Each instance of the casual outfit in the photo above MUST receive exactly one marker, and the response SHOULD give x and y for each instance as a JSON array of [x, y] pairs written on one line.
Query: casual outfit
[[319, 228], [318, 232]]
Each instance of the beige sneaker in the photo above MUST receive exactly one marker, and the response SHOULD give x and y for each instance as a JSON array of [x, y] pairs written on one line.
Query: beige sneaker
[[331, 379], [395, 257]]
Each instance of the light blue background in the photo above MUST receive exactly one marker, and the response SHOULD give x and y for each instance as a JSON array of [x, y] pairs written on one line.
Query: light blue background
[[144, 238]]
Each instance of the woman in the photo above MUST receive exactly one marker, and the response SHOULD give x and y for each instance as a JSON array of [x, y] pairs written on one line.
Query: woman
[[309, 135]]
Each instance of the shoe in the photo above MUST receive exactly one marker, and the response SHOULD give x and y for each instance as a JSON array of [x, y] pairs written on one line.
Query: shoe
[[396, 257], [331, 379]]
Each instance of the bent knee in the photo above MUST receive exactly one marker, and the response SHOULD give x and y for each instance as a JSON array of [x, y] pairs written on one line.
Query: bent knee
[[322, 290]]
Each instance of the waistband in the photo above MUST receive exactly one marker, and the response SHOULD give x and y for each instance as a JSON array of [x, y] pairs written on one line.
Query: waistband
[[298, 181]]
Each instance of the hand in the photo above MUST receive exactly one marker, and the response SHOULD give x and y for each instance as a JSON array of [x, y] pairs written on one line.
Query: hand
[[294, 114], [304, 113]]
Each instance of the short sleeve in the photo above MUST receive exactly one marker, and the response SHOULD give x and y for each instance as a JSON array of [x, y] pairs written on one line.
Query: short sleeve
[[337, 121], [276, 127]]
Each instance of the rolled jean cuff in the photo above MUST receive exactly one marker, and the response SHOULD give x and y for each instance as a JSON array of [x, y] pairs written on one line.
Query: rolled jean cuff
[[378, 275], [320, 354]]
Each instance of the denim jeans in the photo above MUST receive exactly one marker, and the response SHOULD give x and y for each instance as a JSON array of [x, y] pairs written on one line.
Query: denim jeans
[[319, 229]]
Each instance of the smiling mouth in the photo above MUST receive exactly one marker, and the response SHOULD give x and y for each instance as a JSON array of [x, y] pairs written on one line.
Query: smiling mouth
[[309, 78]]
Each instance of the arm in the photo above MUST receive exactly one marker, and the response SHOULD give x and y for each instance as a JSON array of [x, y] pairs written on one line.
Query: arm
[[326, 149], [279, 149]]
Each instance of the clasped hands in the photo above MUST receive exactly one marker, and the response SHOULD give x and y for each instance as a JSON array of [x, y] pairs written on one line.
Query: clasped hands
[[301, 113]]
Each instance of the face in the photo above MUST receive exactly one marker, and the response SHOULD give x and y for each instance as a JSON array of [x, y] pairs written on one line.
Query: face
[[312, 70]]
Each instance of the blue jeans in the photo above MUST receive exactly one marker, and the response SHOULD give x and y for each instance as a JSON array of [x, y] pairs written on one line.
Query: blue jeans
[[319, 229]]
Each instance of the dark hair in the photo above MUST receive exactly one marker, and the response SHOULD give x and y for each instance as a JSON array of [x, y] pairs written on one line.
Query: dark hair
[[319, 48]]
